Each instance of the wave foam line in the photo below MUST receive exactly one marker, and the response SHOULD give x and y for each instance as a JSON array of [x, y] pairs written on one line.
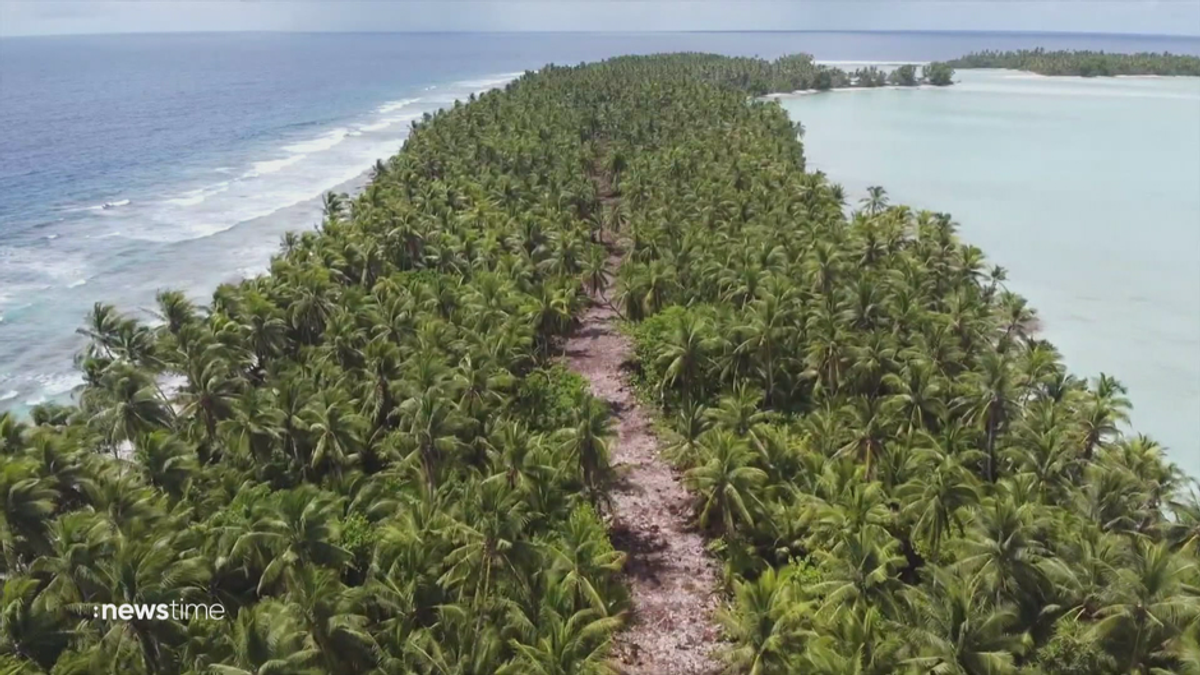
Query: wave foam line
[[323, 142], [271, 165], [393, 106]]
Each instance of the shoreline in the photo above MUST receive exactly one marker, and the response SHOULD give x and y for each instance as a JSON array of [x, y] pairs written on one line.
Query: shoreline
[[1092, 78], [799, 93], [1010, 73], [1065, 320], [258, 235], [20, 401]]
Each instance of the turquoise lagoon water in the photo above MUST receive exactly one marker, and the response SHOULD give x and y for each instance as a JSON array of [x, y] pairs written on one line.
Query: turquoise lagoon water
[[1087, 191]]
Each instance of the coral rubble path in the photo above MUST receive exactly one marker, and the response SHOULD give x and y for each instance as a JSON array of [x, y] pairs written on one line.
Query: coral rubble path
[[672, 579]]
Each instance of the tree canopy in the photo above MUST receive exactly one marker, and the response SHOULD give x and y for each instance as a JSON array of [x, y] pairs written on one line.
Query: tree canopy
[[1082, 62], [371, 457]]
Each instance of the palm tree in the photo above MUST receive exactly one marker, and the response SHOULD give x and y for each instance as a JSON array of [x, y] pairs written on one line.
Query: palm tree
[[266, 639], [326, 611], [595, 270], [490, 542], [869, 429], [29, 502], [209, 394], [12, 432], [937, 497], [266, 329], [861, 570], [293, 532], [1147, 609], [1103, 414], [332, 206], [336, 433], [740, 413], [826, 352], [771, 321], [727, 482], [875, 201], [566, 642], [955, 630], [859, 642], [683, 358], [70, 571], [149, 573], [586, 441], [1096, 558], [255, 428], [30, 637], [175, 310], [168, 462], [1004, 553], [432, 424], [586, 560], [766, 623], [551, 311], [1184, 528], [126, 406], [103, 328], [993, 403], [916, 397]]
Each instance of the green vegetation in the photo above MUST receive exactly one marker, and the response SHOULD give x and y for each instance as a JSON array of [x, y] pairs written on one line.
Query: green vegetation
[[904, 76], [939, 74], [798, 72], [908, 75], [1084, 63], [369, 461], [899, 474], [372, 461]]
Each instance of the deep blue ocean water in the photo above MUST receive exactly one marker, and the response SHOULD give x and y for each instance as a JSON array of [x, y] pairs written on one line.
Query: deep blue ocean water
[[207, 147]]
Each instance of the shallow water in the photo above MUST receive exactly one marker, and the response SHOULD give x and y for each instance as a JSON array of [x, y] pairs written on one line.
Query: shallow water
[[1086, 190]]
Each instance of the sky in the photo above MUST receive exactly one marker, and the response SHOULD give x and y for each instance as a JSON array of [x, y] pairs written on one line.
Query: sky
[[58, 17]]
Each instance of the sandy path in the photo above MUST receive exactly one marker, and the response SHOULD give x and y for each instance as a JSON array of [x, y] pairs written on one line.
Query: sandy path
[[671, 577]]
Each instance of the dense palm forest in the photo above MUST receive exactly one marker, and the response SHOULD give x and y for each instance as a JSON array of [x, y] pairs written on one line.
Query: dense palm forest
[[374, 460], [1084, 63]]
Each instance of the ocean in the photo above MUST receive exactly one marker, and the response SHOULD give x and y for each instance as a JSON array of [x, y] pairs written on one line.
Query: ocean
[[135, 163], [1086, 190]]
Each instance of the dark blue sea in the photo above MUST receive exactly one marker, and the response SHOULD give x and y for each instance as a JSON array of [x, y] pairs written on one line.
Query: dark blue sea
[[134, 163]]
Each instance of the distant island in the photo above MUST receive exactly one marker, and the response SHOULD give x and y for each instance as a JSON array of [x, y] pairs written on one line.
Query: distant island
[[800, 72], [1081, 63]]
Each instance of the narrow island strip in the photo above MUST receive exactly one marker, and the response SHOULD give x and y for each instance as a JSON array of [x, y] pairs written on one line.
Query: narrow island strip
[[597, 377]]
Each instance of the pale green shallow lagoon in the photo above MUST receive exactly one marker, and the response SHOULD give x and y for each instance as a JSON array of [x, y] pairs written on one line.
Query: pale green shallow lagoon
[[1087, 191]]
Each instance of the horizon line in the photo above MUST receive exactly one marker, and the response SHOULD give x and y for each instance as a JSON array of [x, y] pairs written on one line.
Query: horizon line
[[1174, 36]]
